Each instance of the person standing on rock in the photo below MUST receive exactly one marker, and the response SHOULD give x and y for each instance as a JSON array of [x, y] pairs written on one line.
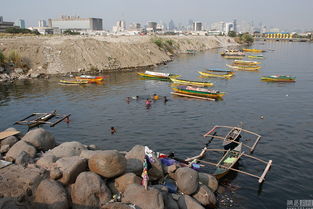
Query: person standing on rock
[[144, 175]]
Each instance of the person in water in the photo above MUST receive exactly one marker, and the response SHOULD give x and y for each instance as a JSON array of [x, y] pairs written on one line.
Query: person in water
[[165, 99], [113, 130], [155, 97], [148, 103], [128, 100]]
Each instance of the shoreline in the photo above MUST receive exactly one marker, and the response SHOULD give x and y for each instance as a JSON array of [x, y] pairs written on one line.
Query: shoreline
[[78, 55]]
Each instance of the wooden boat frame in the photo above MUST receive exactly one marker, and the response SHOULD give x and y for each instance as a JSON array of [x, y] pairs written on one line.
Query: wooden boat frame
[[198, 93], [42, 118]]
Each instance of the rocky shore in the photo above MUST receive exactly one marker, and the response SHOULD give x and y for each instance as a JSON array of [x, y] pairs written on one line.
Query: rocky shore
[[46, 175], [53, 55]]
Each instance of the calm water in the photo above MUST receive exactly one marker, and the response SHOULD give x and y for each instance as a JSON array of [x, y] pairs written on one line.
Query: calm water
[[287, 134]]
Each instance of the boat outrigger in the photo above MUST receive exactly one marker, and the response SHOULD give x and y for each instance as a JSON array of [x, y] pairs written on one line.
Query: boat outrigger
[[278, 78], [194, 83], [158, 75], [217, 73], [37, 119]]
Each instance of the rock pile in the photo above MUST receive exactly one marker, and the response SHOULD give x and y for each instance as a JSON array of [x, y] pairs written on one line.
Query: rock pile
[[71, 175]]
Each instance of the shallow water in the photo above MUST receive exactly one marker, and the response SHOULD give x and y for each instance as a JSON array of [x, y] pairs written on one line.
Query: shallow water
[[286, 128]]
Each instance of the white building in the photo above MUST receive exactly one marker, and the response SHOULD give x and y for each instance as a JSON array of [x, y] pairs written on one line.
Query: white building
[[229, 26], [218, 26], [42, 23], [20, 23], [119, 27], [76, 23]]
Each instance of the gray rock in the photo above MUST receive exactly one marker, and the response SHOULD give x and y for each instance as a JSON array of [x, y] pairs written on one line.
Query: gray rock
[[89, 191], [92, 147], [145, 199], [12, 203], [18, 70], [67, 149], [108, 164], [4, 148], [10, 140], [23, 159], [116, 205], [40, 138], [205, 196], [46, 161], [19, 147], [187, 202], [187, 180], [71, 167], [2, 69], [87, 154], [55, 173], [123, 181], [209, 181], [50, 195]]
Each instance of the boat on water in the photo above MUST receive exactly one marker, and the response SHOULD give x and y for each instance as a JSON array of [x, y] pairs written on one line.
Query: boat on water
[[194, 83], [197, 91], [256, 56], [232, 54], [90, 78], [246, 62], [218, 73], [245, 68], [158, 75], [253, 50], [73, 81], [191, 51], [278, 78]]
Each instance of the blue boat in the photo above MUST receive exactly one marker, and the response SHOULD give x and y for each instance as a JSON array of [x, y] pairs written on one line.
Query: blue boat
[[219, 70]]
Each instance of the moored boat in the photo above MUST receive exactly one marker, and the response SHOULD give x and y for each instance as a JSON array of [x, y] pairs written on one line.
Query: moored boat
[[194, 83], [246, 62], [218, 73], [90, 78], [253, 50], [73, 81], [232, 54], [201, 92], [256, 56], [246, 68], [158, 75], [278, 78]]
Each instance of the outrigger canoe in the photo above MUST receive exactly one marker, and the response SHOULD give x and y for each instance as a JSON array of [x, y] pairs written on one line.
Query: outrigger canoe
[[158, 75], [278, 78], [217, 73], [73, 81], [253, 50], [256, 56], [246, 68], [233, 57], [246, 62], [196, 91], [90, 78], [194, 83]]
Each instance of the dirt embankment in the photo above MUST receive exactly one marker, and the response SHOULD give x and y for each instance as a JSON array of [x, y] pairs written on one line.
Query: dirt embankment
[[65, 54]]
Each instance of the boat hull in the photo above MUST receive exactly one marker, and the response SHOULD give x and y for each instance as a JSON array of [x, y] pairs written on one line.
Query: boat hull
[[253, 50], [163, 78], [270, 79], [75, 82], [198, 93], [207, 74], [194, 83], [244, 68]]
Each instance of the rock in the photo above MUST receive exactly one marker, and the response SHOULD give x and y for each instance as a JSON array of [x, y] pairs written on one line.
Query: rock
[[12, 203], [145, 199], [4, 148], [23, 159], [16, 180], [116, 205], [87, 154], [19, 147], [55, 173], [209, 181], [170, 169], [46, 161], [71, 167], [89, 191], [92, 147], [2, 69], [205, 196], [187, 180], [10, 140], [18, 70], [187, 202], [40, 138], [108, 164], [67, 149], [123, 181], [169, 202], [50, 195]]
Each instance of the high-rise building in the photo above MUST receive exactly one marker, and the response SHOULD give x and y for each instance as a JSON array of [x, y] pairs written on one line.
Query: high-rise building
[[4, 25], [76, 23], [235, 25], [151, 26], [229, 26], [119, 27], [42, 23], [20, 23], [197, 26], [134, 27], [218, 26]]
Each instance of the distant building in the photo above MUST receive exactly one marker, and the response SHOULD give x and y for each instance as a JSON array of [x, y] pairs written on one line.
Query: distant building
[[4, 25], [151, 27], [134, 27], [42, 23], [76, 23], [229, 27], [197, 26], [235, 25], [274, 30], [218, 26], [20, 23], [171, 25], [119, 27]]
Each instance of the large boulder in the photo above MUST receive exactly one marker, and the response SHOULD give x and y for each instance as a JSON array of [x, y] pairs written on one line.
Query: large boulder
[[169, 202], [187, 202], [108, 164], [116, 205], [50, 195], [46, 161], [12, 203], [40, 138], [205, 196], [18, 148], [4, 148], [23, 159], [89, 191], [209, 181], [71, 167], [123, 181], [87, 154], [67, 149], [10, 140], [145, 199], [187, 180]]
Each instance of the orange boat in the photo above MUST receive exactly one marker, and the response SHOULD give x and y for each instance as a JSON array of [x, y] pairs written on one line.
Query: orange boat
[[90, 78]]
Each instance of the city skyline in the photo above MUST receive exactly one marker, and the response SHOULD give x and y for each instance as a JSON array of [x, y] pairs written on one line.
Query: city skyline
[[286, 15]]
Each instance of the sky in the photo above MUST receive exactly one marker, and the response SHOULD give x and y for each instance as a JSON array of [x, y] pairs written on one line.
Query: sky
[[283, 14]]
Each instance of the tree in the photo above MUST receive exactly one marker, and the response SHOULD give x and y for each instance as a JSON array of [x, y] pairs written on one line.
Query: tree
[[70, 32], [232, 34], [247, 38]]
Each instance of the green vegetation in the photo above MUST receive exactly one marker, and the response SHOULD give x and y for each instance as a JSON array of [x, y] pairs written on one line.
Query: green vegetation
[[1, 58], [232, 34], [244, 38], [166, 44], [70, 32], [16, 30], [13, 58]]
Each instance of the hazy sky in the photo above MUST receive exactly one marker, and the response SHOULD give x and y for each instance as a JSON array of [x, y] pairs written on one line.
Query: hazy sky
[[284, 14]]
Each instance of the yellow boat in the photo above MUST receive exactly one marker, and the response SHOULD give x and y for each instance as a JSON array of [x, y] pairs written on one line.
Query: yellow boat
[[232, 57], [253, 50], [246, 62], [194, 83], [256, 56], [246, 68], [158, 75], [211, 74], [196, 91]]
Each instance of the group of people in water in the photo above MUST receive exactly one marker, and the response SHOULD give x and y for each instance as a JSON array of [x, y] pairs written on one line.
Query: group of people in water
[[148, 101]]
